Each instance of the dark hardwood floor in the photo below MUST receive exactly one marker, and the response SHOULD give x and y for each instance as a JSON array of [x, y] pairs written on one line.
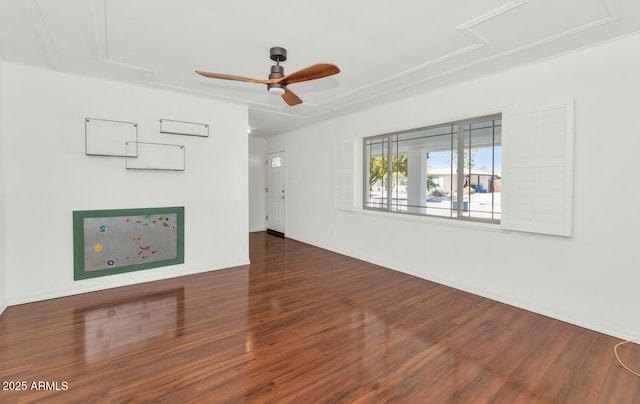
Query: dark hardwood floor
[[302, 325]]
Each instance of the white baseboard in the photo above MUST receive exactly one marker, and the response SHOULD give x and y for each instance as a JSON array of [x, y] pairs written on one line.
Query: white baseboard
[[127, 279], [477, 292]]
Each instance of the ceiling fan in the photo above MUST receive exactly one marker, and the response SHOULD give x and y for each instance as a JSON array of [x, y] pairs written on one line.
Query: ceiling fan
[[277, 82]]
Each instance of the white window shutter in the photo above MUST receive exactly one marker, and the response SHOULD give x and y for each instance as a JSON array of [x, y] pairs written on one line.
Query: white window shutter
[[538, 170], [344, 181]]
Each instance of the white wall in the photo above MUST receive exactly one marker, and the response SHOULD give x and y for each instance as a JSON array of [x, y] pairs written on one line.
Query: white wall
[[590, 279], [3, 256], [48, 176], [257, 184]]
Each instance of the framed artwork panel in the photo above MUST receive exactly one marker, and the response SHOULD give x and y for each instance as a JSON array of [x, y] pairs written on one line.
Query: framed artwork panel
[[108, 242]]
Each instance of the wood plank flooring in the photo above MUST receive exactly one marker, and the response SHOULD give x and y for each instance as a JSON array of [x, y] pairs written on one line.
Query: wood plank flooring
[[302, 325]]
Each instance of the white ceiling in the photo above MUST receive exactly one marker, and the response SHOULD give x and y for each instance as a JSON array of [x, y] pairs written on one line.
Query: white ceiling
[[385, 49]]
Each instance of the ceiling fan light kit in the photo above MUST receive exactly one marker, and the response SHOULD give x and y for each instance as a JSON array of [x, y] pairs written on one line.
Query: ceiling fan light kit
[[276, 88], [278, 81]]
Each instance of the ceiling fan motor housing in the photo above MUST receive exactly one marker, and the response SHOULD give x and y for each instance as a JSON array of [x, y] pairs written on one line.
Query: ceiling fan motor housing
[[277, 71]]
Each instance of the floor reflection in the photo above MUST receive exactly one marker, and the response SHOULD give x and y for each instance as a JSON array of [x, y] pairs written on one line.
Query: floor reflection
[[123, 326], [302, 324]]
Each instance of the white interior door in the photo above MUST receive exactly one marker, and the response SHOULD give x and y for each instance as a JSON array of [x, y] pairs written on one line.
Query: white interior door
[[276, 195]]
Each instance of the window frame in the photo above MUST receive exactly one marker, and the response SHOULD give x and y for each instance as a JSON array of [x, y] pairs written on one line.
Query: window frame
[[459, 143]]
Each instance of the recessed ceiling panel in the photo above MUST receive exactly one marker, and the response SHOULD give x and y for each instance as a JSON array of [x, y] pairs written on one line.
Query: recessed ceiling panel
[[19, 41], [385, 50], [541, 21], [70, 33]]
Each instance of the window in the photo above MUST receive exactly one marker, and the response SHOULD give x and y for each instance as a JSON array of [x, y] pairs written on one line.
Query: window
[[451, 170]]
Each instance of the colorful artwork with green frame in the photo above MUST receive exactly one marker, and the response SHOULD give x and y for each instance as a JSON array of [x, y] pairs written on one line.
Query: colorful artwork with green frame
[[108, 242]]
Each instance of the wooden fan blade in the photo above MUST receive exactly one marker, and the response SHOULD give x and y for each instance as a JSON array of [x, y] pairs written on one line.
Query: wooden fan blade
[[291, 98], [232, 77], [312, 72]]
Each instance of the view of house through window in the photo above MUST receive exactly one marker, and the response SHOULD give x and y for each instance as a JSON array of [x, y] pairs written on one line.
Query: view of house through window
[[451, 170]]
